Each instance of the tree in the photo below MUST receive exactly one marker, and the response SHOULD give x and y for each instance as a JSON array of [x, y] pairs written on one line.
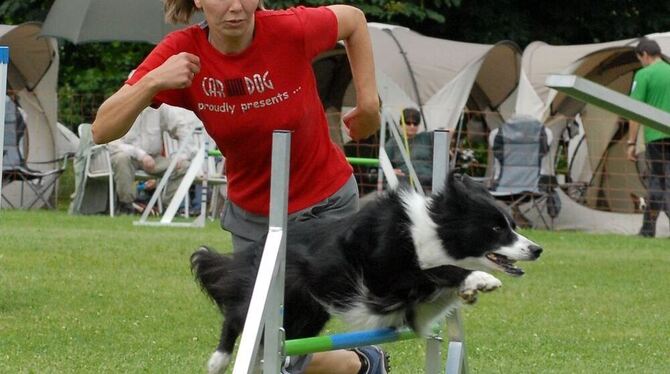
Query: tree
[[386, 10]]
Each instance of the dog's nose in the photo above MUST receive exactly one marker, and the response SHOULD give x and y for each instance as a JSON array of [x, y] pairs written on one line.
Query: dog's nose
[[535, 250]]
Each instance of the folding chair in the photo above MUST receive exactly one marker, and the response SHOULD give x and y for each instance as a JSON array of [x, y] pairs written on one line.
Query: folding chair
[[518, 148], [16, 169], [97, 164]]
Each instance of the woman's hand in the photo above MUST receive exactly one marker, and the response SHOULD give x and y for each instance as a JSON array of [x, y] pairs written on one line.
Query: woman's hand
[[148, 163], [360, 124], [117, 114], [176, 72]]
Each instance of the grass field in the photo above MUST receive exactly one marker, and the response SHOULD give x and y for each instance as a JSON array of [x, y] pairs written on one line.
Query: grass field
[[81, 294]]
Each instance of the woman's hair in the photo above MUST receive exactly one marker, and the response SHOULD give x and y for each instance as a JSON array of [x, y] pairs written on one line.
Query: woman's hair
[[180, 11]]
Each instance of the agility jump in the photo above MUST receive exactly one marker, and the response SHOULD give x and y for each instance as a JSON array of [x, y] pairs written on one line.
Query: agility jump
[[266, 306]]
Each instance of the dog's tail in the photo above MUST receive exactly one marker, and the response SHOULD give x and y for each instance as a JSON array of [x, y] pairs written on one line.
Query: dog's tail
[[210, 269], [221, 280]]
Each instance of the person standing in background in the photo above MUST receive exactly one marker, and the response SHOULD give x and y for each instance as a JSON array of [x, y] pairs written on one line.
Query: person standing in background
[[651, 85]]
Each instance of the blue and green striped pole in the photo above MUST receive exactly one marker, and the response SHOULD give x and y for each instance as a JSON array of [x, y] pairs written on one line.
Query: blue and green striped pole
[[346, 340]]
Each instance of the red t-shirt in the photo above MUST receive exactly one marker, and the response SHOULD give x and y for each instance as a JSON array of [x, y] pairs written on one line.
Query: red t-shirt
[[242, 99]]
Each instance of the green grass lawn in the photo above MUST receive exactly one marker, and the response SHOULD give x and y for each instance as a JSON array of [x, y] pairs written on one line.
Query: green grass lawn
[[93, 294]]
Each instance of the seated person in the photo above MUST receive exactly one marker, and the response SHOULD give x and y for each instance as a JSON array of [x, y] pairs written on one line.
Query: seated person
[[142, 149], [420, 149]]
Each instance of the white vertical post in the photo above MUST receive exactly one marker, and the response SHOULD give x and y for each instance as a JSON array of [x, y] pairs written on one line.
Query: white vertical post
[[440, 169], [274, 312], [266, 305], [382, 145], [4, 62], [440, 159], [456, 356]]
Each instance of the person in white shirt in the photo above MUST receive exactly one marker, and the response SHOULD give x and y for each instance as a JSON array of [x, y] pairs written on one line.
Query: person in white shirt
[[142, 148]]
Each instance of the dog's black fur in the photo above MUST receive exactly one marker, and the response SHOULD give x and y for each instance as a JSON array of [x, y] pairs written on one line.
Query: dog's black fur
[[379, 267]]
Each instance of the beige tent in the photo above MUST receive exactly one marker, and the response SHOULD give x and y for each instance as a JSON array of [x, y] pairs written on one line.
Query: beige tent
[[441, 77], [33, 76], [596, 156]]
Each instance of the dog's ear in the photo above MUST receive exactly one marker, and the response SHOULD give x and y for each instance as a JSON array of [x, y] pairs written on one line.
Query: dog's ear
[[454, 185], [461, 188], [450, 181], [473, 185]]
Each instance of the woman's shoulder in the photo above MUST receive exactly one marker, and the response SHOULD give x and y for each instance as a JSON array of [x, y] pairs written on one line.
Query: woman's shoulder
[[293, 14], [288, 12], [185, 36]]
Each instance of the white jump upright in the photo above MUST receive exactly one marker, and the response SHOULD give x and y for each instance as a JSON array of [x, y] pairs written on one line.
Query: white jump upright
[[266, 305], [4, 63], [456, 355]]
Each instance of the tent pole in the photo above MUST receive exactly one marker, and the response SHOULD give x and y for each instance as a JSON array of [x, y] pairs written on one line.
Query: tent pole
[[411, 75], [459, 129]]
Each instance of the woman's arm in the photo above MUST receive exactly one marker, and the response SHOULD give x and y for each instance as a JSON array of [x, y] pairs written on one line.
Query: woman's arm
[[364, 120], [117, 114]]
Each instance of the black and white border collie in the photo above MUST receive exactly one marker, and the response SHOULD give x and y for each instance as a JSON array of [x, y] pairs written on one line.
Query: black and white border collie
[[404, 259]]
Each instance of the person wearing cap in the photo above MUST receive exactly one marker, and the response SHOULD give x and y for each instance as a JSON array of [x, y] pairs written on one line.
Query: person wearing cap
[[651, 85], [419, 146]]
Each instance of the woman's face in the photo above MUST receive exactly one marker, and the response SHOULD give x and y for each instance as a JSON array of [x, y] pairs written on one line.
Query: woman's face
[[231, 18]]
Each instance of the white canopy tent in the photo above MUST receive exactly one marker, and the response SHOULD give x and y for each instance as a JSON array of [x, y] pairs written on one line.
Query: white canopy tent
[[440, 77], [596, 155], [33, 75]]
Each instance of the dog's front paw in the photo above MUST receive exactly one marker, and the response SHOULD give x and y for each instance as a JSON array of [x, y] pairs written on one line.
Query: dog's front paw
[[475, 282]]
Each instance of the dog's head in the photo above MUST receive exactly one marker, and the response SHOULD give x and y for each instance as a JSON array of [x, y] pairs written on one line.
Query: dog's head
[[476, 231]]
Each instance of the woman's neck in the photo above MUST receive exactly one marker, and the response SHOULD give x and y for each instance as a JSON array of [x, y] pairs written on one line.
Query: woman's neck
[[230, 44]]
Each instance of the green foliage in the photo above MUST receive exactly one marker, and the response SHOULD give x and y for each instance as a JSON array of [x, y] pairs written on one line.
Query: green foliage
[[13, 12], [384, 10], [91, 294], [91, 72]]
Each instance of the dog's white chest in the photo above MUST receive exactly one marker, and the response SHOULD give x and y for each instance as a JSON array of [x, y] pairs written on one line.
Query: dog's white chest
[[359, 316]]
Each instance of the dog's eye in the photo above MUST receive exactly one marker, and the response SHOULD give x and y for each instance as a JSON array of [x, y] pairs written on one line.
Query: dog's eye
[[497, 229]]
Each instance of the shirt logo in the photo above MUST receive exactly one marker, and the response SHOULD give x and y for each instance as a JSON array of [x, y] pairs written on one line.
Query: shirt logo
[[257, 87], [258, 83], [212, 87], [244, 86]]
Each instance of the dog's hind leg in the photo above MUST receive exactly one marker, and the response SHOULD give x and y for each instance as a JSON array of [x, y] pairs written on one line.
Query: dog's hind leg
[[224, 351]]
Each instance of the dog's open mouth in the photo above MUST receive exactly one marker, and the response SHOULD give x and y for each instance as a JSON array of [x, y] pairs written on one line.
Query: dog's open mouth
[[505, 263]]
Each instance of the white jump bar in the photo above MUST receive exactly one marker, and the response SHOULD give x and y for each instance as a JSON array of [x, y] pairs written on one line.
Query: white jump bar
[[615, 102]]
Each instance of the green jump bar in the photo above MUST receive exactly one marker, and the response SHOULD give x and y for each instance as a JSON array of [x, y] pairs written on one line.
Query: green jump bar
[[352, 160], [346, 340], [363, 161]]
